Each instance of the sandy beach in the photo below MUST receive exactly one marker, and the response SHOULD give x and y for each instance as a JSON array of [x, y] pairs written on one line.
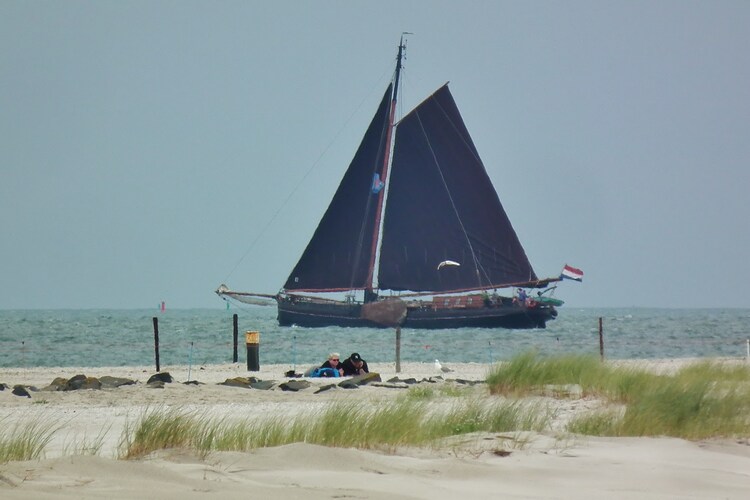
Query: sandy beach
[[553, 464]]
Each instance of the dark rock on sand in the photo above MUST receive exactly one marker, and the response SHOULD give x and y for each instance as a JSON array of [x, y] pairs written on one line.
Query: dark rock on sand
[[163, 376], [82, 382], [348, 384], [20, 390], [396, 380], [295, 385], [263, 385], [325, 388], [366, 378], [112, 382], [244, 382]]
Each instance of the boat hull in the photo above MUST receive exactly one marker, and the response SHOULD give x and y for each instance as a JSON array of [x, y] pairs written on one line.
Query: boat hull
[[317, 314]]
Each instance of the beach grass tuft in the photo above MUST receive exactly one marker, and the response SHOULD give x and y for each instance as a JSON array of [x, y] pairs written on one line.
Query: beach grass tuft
[[701, 400], [384, 426], [25, 441]]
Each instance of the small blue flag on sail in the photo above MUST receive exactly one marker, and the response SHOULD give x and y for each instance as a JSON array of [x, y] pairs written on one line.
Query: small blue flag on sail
[[377, 184]]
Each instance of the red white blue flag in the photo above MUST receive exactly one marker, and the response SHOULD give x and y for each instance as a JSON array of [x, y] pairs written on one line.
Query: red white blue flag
[[571, 273]]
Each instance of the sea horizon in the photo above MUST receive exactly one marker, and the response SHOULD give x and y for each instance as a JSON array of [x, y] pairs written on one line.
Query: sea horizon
[[119, 337]]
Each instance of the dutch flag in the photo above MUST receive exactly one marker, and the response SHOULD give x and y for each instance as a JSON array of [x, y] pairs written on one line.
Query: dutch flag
[[572, 273]]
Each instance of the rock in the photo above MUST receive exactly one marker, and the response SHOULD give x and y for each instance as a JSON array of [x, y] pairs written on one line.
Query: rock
[[295, 385], [155, 384], [75, 383], [366, 378], [192, 382], [325, 388], [110, 382], [57, 385], [244, 382], [163, 376], [4, 386], [348, 384], [396, 380], [263, 385], [20, 390]]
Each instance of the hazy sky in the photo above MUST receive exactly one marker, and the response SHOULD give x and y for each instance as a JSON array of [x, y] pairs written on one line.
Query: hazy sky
[[150, 150]]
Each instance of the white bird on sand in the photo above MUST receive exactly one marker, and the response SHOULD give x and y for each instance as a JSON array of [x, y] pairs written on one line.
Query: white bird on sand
[[441, 368]]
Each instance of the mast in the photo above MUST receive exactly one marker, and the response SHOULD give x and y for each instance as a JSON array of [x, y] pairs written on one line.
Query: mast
[[386, 164]]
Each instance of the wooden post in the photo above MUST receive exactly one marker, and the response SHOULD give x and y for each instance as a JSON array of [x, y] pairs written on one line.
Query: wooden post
[[234, 337], [156, 342], [601, 339], [398, 349]]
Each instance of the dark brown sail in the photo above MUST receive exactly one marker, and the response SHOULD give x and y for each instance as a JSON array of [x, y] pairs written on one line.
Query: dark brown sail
[[338, 255], [441, 206]]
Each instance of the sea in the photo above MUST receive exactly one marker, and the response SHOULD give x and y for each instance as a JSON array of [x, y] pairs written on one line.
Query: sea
[[103, 337]]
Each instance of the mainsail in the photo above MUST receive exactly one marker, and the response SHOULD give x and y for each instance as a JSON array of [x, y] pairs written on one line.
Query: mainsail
[[442, 206]]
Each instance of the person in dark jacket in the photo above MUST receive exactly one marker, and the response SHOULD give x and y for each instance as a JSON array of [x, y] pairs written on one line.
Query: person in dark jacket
[[354, 365]]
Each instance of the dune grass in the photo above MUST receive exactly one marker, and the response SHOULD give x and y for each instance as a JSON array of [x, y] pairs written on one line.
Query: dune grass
[[699, 401], [25, 441], [385, 426]]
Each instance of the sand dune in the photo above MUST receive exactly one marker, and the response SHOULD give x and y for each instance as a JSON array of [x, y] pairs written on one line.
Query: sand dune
[[551, 465]]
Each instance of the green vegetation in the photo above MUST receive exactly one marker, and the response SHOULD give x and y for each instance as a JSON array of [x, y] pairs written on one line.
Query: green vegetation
[[700, 401], [385, 426], [25, 441]]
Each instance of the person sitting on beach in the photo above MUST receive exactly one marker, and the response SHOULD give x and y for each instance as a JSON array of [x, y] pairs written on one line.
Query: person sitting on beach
[[354, 365], [333, 363]]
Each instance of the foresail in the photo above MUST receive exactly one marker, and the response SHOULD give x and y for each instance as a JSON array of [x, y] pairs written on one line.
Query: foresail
[[442, 207], [339, 253]]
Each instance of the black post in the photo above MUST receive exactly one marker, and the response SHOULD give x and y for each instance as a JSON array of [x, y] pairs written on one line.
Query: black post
[[156, 341], [398, 349], [234, 353], [601, 339], [252, 341]]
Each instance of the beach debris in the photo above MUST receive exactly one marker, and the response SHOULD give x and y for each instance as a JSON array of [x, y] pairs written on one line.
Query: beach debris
[[439, 367], [295, 385], [163, 376], [20, 390]]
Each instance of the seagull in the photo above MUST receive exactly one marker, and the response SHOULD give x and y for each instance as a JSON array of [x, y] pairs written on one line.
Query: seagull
[[441, 368]]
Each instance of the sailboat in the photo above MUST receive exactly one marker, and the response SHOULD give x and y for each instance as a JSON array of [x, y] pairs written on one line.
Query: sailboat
[[415, 236]]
